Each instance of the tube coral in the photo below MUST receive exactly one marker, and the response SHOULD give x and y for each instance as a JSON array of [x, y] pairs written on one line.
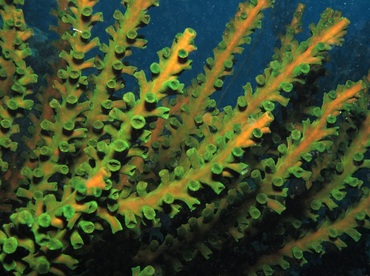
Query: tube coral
[[162, 175]]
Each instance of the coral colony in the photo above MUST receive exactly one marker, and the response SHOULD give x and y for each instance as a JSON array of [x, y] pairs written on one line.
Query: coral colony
[[163, 176]]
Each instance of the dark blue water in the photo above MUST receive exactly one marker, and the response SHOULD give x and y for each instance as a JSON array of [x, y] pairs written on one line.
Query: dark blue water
[[208, 18]]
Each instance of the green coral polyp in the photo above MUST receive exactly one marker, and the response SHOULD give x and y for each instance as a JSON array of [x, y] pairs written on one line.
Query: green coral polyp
[[207, 214], [68, 211], [218, 84], [179, 172], [333, 233], [262, 198], [261, 80], [307, 156], [44, 220], [69, 125], [141, 188], [87, 227], [117, 65], [268, 105], [74, 75], [317, 112], [138, 122], [131, 35], [19, 88], [107, 104], [228, 64], [296, 135], [155, 68], [168, 198], [217, 168], [147, 271], [166, 52], [358, 157], [119, 49], [297, 253], [47, 125], [42, 265], [65, 147], [237, 152], [278, 182], [98, 126], [320, 147], [242, 102], [352, 181], [303, 68], [148, 212], [130, 220], [38, 173], [286, 86], [85, 34], [120, 145], [111, 84], [320, 47], [256, 175], [24, 217], [55, 244], [114, 165], [269, 165], [10, 245], [91, 207], [46, 151], [338, 195], [331, 119], [87, 11], [296, 171], [96, 192], [339, 167], [76, 240], [360, 217], [12, 105], [257, 133], [194, 185], [174, 85], [183, 55], [254, 212]]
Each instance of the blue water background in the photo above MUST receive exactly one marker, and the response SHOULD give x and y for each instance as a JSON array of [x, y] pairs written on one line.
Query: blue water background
[[208, 18]]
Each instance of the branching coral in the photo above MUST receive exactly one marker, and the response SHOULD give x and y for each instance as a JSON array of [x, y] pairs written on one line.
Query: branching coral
[[163, 172]]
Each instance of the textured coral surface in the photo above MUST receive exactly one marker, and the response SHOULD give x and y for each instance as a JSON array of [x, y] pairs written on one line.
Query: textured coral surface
[[111, 168]]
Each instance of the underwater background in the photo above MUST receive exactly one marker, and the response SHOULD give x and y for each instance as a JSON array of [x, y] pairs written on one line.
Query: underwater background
[[208, 18]]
